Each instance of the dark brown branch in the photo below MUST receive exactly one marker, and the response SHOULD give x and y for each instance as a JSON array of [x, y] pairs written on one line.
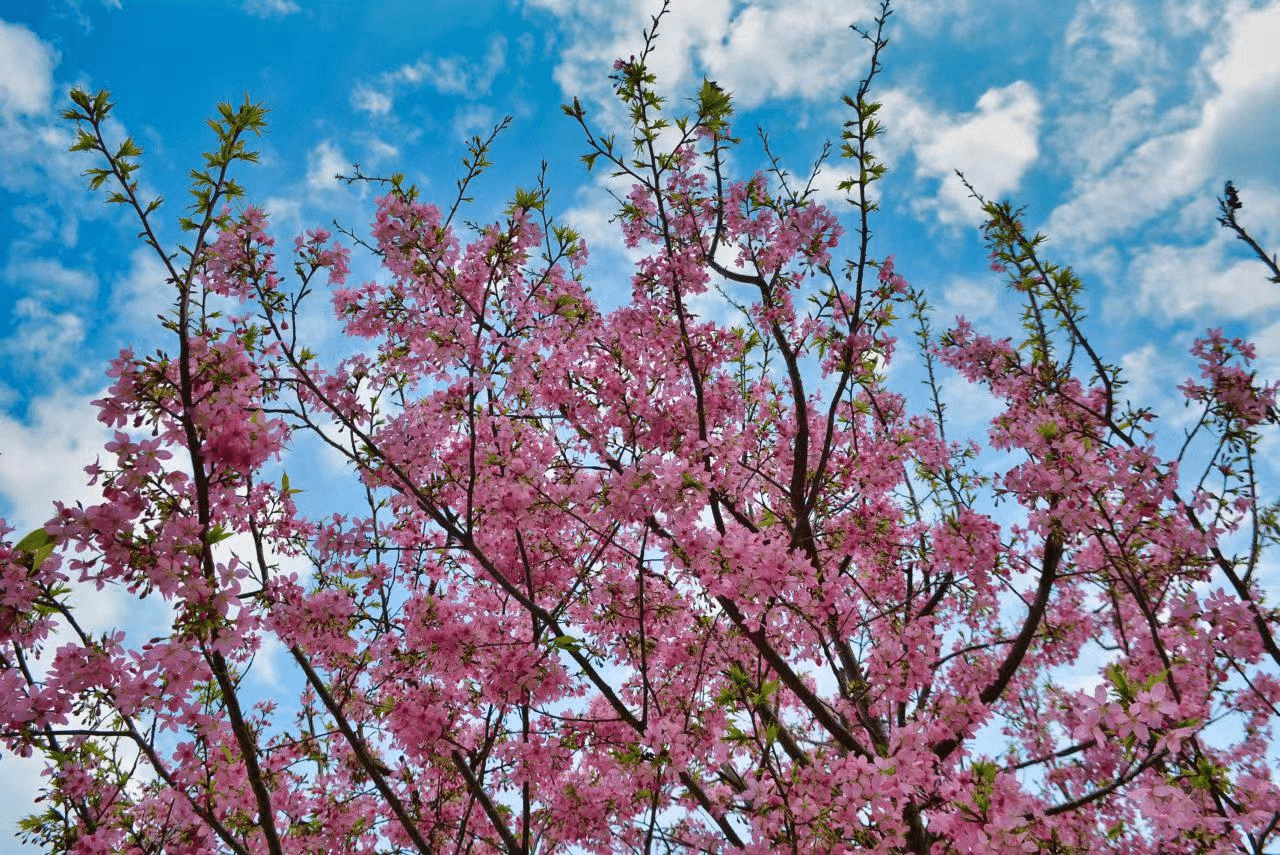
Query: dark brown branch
[[490, 809], [1030, 626]]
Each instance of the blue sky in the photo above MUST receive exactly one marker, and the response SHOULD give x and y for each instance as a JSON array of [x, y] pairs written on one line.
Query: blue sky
[[1115, 121]]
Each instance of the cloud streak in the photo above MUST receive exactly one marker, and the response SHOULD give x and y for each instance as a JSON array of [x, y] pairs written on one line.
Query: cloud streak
[[448, 75]]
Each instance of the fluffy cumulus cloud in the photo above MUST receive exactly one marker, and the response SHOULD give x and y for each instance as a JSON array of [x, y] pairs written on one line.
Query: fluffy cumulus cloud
[[993, 145], [45, 328], [759, 52], [971, 297], [51, 199], [1114, 29], [26, 70], [1237, 124], [42, 459], [787, 49], [49, 279], [32, 138]]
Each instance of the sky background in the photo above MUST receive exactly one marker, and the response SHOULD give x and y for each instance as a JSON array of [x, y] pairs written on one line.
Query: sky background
[[1115, 121]]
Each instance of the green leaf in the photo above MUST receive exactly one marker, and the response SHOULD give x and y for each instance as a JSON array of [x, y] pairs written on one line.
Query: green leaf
[[217, 534], [38, 557], [80, 98], [128, 148], [566, 642], [38, 545], [34, 541], [85, 141], [714, 105], [767, 689], [528, 200]]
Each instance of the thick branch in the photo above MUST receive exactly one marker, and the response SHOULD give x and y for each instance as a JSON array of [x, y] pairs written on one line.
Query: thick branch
[[1030, 626], [490, 809]]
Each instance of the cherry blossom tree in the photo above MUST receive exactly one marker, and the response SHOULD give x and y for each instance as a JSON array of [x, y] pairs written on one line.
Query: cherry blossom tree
[[644, 580]]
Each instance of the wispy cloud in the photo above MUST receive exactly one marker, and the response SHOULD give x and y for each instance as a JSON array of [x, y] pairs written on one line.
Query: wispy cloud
[[448, 75], [800, 49], [1195, 282], [324, 162], [49, 280], [1228, 125], [142, 292], [371, 100], [270, 8], [44, 339]]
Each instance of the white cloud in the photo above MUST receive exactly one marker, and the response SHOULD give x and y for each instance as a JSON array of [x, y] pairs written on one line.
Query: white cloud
[[44, 340], [1140, 369], [40, 223], [1119, 25], [474, 119], [592, 217], [381, 150], [26, 70], [370, 100], [970, 407], [1141, 186], [37, 166], [75, 9], [971, 297], [324, 162], [142, 293], [285, 213], [1227, 130], [1087, 143], [449, 75], [993, 146], [826, 190], [1268, 344], [49, 280], [1190, 15], [960, 19], [1194, 282], [270, 8], [1260, 215], [1240, 125], [43, 457], [763, 51], [37, 160], [782, 50]]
